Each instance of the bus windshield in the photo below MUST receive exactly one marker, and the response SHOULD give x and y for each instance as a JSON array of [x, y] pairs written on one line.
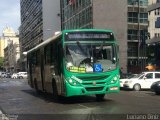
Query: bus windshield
[[90, 57]]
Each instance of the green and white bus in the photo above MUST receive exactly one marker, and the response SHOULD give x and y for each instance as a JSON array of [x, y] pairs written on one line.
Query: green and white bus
[[75, 62]]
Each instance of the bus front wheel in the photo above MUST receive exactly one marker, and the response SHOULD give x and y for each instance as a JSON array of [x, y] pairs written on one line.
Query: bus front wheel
[[100, 97]]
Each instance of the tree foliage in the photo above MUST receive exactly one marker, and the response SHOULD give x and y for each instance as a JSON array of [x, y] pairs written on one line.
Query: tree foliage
[[1, 61]]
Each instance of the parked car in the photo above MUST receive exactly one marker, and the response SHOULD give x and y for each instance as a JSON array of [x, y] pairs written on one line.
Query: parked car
[[155, 87], [8, 75], [3, 75], [22, 75], [142, 81], [14, 75], [122, 80]]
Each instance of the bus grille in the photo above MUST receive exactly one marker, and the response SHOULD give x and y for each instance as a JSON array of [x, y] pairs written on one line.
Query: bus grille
[[91, 83], [94, 88], [93, 77]]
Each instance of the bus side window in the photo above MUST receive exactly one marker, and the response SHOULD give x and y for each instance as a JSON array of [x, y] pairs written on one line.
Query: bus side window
[[38, 57], [53, 54], [47, 52], [59, 56], [33, 59]]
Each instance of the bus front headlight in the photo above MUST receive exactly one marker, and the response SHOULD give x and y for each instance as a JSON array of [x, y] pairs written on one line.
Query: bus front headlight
[[73, 82], [114, 80]]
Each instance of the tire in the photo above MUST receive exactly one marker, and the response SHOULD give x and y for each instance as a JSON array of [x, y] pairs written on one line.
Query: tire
[[55, 91], [36, 86], [157, 92], [100, 97], [137, 87]]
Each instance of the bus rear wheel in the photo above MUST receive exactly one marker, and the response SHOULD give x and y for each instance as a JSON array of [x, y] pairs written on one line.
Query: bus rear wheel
[[55, 91], [36, 86], [100, 97]]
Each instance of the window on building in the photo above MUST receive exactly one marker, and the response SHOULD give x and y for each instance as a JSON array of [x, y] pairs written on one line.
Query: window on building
[[132, 49], [143, 17], [132, 34], [133, 17]]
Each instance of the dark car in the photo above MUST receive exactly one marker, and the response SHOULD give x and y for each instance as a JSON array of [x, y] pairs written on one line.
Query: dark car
[[155, 87]]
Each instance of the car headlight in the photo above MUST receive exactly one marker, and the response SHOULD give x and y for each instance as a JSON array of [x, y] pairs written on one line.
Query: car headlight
[[159, 84]]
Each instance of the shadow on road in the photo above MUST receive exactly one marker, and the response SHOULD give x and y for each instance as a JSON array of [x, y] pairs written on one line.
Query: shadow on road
[[65, 100]]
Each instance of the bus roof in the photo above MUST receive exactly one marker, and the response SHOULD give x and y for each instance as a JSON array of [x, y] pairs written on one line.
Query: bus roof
[[85, 30], [45, 42], [64, 31]]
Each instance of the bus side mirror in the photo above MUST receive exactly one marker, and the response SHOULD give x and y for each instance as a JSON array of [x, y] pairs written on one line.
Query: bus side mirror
[[114, 60]]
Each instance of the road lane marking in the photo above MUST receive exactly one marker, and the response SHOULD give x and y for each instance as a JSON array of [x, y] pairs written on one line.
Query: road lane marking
[[83, 106]]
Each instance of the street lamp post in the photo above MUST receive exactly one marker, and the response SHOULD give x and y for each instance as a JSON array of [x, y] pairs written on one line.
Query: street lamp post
[[139, 38]]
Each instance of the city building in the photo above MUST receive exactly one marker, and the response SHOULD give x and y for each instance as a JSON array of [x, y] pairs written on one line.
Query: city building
[[12, 57], [154, 30], [40, 19], [127, 18], [137, 35], [5, 39], [2, 45], [9, 49]]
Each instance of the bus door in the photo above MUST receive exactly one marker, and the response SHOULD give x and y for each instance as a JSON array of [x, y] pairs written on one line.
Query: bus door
[[42, 70], [49, 66], [29, 65], [36, 69]]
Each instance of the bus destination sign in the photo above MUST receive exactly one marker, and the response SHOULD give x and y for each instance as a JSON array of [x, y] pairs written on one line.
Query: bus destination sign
[[90, 36]]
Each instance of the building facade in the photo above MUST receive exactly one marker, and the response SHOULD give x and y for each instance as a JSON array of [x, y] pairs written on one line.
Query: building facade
[[137, 35], [10, 49], [154, 30], [154, 19], [39, 20], [129, 21], [2, 44]]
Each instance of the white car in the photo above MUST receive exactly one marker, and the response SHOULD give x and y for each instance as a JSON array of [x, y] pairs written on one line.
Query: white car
[[22, 75], [142, 81], [122, 80], [14, 75]]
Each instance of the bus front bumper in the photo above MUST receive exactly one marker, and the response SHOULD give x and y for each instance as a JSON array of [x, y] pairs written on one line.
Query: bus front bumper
[[80, 90]]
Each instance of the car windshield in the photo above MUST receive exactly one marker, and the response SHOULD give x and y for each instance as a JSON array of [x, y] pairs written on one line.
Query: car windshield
[[136, 76], [90, 57]]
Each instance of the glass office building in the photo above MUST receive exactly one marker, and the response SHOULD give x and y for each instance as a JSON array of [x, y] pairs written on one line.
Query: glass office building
[[137, 34], [76, 14], [131, 14]]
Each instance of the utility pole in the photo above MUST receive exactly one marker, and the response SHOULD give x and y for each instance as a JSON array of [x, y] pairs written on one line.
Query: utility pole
[[139, 33]]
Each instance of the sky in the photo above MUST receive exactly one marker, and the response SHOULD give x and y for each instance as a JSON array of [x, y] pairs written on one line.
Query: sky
[[9, 14]]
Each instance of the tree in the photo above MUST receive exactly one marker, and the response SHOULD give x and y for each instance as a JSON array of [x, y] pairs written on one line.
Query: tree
[[1, 62]]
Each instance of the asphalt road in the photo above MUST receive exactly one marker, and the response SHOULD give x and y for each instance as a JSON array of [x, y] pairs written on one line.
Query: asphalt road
[[19, 101]]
